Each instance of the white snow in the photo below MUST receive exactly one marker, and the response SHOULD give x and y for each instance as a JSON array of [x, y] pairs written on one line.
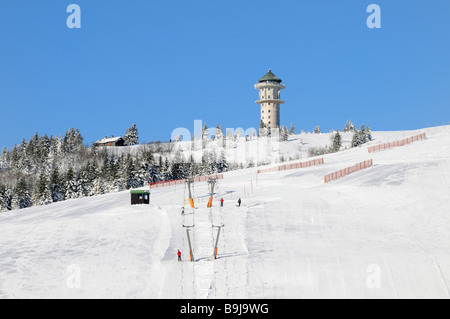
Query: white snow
[[379, 233]]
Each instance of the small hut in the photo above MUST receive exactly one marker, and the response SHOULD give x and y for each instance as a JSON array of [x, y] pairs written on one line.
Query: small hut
[[112, 141], [140, 197]]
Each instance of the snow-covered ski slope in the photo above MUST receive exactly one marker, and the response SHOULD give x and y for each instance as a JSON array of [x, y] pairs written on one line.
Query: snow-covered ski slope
[[383, 232]]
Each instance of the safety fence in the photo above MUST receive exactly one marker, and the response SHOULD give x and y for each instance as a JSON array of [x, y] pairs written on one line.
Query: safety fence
[[182, 181], [387, 146], [286, 167], [346, 171], [207, 178]]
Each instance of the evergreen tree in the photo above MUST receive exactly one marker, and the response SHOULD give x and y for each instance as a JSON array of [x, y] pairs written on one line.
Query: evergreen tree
[[317, 130], [93, 175], [349, 127], [205, 135], [292, 129], [222, 165], [85, 184], [193, 168], [6, 195], [177, 139], [264, 131], [42, 153], [131, 136], [362, 136], [4, 158], [367, 134], [131, 180], [218, 134], [212, 161], [58, 193], [22, 195], [356, 139], [43, 194], [284, 134], [72, 143], [337, 142], [71, 184]]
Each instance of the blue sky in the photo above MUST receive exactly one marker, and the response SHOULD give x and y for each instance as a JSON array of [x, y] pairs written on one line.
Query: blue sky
[[163, 64]]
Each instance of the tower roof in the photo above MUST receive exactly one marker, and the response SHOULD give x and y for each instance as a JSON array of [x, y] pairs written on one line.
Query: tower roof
[[270, 77]]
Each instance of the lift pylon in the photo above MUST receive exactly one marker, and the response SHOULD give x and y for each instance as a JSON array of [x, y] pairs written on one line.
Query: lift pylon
[[216, 247], [191, 252], [212, 183], [189, 183]]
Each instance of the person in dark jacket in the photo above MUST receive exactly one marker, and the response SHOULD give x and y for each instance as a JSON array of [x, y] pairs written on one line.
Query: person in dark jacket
[[239, 202]]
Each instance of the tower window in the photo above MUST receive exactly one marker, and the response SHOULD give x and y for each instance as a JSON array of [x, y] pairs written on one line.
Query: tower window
[[269, 104]]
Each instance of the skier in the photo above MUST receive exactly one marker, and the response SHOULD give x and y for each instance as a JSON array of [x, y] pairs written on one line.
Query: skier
[[221, 202], [182, 210], [179, 255], [239, 202]]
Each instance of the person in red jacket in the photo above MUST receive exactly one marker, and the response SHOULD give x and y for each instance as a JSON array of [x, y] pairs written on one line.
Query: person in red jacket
[[179, 255], [221, 202]]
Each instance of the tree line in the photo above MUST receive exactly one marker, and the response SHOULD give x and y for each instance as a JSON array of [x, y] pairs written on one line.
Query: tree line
[[46, 170]]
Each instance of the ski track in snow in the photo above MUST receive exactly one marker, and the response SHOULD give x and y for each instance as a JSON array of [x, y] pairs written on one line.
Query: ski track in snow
[[293, 237]]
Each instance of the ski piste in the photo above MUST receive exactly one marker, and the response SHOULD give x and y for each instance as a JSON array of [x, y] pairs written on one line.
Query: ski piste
[[293, 237]]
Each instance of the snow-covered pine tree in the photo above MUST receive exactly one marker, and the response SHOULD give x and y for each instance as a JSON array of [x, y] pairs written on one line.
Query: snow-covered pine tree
[[205, 135], [219, 136], [131, 136], [131, 178], [72, 143], [212, 160], [368, 134], [204, 166], [337, 142], [71, 184], [317, 130], [43, 195], [193, 167], [4, 158], [5, 198], [349, 127], [43, 150], [93, 173], [85, 185], [21, 195], [361, 137], [222, 165], [177, 139], [292, 129], [356, 139], [99, 185], [112, 175], [263, 131], [284, 133], [56, 186]]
